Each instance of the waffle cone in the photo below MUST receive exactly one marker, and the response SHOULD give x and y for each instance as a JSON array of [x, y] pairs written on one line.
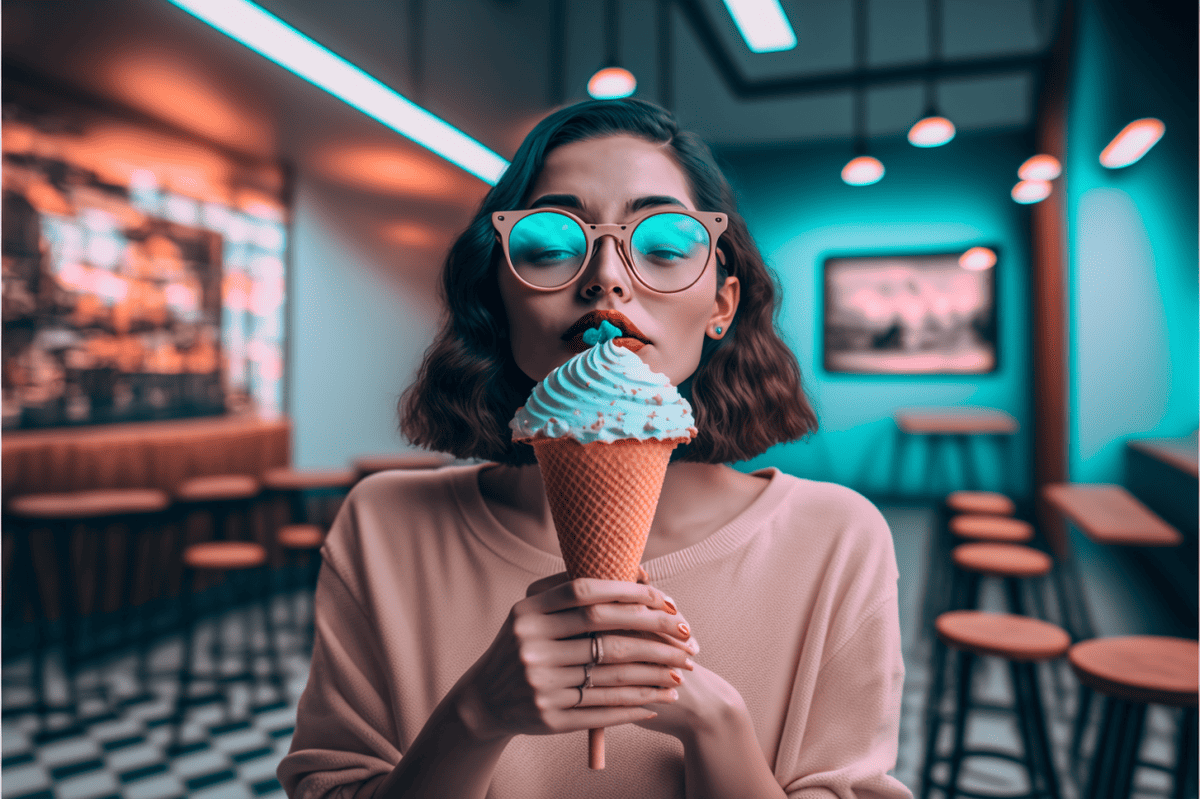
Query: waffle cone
[[603, 497]]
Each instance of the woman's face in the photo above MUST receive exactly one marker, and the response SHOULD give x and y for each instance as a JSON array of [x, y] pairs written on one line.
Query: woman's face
[[600, 180]]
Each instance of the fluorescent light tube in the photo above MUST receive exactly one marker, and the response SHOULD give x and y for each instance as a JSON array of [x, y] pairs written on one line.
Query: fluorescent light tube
[[273, 38], [762, 24]]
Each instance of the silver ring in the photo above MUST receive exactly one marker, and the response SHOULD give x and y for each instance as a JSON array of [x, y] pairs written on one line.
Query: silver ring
[[587, 675], [580, 701], [597, 649]]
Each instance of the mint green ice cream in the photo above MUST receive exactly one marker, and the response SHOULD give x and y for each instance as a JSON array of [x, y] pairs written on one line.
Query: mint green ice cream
[[604, 393]]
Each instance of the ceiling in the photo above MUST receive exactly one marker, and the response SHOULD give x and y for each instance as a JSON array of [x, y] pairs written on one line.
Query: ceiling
[[493, 68]]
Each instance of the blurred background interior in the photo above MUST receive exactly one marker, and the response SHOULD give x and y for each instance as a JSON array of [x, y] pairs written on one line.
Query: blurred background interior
[[220, 271]]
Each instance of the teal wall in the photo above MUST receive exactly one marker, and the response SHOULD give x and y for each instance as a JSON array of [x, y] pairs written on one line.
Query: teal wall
[[943, 199], [1133, 254]]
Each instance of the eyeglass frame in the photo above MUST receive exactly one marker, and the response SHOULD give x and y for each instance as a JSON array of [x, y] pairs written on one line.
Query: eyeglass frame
[[715, 222]]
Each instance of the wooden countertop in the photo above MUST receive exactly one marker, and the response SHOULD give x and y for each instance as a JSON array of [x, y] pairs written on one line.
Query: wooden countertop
[[1181, 453]]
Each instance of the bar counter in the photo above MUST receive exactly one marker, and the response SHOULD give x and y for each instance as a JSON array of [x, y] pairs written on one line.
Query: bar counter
[[141, 455]]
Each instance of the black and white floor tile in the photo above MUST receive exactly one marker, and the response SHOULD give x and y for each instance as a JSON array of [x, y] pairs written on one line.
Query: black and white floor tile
[[232, 747]]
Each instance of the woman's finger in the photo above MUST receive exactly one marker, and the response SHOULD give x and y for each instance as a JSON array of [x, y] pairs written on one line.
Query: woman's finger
[[612, 616], [546, 583], [588, 591], [628, 695]]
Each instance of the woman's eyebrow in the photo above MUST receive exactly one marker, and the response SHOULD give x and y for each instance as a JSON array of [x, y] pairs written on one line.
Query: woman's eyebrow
[[654, 199], [563, 200]]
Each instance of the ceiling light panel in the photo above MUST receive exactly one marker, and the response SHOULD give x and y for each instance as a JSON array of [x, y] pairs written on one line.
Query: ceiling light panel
[[763, 24], [276, 40]]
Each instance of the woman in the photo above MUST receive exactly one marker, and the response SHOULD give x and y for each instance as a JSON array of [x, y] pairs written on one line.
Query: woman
[[454, 659]]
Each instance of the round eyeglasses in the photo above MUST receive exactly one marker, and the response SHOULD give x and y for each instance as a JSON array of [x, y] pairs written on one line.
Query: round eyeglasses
[[666, 250]]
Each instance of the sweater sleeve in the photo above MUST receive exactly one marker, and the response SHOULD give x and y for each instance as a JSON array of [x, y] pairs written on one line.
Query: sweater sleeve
[[343, 745], [847, 691], [854, 722]]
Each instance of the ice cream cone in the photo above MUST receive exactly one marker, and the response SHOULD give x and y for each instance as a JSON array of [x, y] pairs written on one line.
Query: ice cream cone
[[602, 497]]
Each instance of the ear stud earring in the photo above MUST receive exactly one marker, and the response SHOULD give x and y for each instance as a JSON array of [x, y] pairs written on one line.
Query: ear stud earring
[[718, 331]]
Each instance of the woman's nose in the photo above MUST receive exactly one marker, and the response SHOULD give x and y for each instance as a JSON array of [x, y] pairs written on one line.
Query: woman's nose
[[606, 272]]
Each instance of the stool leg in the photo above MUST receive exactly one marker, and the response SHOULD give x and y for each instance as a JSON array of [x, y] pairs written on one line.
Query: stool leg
[[1083, 709], [1039, 734], [276, 674], [1016, 600], [962, 704], [1131, 744], [174, 744], [1185, 753], [68, 609], [1100, 775], [933, 445], [970, 472], [898, 461]]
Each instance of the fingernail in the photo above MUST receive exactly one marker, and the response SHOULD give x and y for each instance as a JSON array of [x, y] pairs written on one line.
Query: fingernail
[[684, 631], [676, 676], [672, 694], [670, 606], [689, 664], [693, 646]]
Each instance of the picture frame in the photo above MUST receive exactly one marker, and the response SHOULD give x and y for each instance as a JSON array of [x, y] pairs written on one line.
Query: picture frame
[[915, 313]]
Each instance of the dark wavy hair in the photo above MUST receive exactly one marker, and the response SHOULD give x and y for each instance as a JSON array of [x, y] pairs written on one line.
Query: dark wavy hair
[[746, 393]]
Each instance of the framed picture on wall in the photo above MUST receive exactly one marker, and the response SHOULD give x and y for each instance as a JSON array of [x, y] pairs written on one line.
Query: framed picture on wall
[[911, 314]]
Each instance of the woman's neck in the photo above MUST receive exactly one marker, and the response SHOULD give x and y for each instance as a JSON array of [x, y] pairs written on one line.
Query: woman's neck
[[697, 500]]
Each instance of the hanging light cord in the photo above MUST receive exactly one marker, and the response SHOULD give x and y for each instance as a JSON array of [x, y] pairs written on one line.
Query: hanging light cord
[[860, 63], [935, 55], [612, 33]]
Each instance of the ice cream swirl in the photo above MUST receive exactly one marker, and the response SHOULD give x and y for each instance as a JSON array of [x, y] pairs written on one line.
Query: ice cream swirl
[[604, 393]]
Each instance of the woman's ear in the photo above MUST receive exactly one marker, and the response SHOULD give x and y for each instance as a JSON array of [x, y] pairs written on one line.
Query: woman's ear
[[724, 308]]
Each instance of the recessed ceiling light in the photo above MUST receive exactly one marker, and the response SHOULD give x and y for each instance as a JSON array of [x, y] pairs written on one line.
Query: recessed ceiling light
[[1134, 140], [1040, 167], [275, 39], [1031, 191], [612, 82], [863, 171], [762, 24]]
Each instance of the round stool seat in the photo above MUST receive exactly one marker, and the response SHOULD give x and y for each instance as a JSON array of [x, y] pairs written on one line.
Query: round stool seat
[[378, 463], [1001, 560], [1147, 669], [307, 480], [1002, 635], [991, 528], [301, 536], [217, 487], [986, 502], [225, 555], [89, 504]]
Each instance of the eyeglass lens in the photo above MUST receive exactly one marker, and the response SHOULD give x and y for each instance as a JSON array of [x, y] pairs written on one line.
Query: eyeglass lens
[[669, 250]]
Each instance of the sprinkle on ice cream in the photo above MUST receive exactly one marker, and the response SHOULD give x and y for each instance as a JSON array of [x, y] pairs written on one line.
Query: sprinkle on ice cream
[[610, 385]]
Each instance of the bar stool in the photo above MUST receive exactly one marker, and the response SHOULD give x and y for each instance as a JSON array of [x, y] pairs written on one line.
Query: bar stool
[[302, 536], [986, 513], [225, 496], [956, 426], [1011, 563], [70, 580], [1131, 672], [1020, 641]]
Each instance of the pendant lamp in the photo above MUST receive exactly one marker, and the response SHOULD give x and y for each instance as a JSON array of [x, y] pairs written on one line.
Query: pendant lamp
[[932, 129], [863, 169], [612, 80]]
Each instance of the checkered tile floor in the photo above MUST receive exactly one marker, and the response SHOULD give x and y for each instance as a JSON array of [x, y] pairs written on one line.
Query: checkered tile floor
[[231, 746], [235, 747]]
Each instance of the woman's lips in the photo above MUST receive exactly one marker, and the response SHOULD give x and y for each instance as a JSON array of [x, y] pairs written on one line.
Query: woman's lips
[[633, 340]]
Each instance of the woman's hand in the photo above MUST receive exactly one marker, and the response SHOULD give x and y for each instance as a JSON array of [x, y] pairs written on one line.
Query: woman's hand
[[527, 682]]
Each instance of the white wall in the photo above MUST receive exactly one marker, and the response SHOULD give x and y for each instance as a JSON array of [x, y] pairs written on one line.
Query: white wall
[[362, 314]]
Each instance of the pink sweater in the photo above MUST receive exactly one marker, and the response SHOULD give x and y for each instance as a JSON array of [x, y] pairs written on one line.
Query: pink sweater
[[793, 602]]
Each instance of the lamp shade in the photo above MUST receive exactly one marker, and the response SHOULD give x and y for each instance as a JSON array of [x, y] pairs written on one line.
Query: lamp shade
[[863, 171], [932, 131], [1134, 141], [977, 259], [612, 82], [1031, 191], [1040, 167]]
